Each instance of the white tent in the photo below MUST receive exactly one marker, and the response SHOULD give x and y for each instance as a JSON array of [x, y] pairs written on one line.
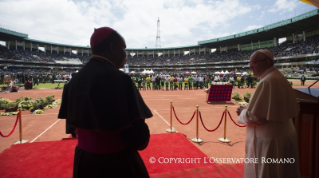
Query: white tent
[[222, 72], [226, 72], [147, 72], [193, 72]]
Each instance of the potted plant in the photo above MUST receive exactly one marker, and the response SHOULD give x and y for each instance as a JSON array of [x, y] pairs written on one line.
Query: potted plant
[[247, 96], [7, 105], [49, 99], [236, 96]]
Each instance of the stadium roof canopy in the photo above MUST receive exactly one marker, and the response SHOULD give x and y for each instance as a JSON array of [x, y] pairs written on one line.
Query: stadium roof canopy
[[296, 25], [55, 44], [7, 35]]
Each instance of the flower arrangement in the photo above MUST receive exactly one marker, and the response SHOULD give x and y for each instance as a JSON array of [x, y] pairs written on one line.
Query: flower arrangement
[[59, 101], [247, 96], [49, 106], [38, 111], [26, 103], [8, 105], [8, 113], [236, 96]]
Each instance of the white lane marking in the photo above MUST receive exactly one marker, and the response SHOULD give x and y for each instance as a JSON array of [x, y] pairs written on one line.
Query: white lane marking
[[163, 119], [45, 130]]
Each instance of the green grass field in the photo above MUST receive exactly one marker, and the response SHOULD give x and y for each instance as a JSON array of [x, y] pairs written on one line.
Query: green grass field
[[53, 85], [42, 85]]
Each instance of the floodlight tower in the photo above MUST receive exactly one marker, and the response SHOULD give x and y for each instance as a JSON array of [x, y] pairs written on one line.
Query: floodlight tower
[[158, 36]]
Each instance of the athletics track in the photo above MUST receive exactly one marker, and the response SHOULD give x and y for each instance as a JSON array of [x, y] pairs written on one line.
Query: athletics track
[[46, 127]]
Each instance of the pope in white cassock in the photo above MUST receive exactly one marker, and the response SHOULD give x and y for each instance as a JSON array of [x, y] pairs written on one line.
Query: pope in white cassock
[[271, 137]]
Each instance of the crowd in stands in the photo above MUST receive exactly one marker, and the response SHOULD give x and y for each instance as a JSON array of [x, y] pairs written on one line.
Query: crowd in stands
[[38, 55], [287, 48]]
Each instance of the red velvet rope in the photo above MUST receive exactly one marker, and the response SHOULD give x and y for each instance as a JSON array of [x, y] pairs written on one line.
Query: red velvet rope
[[200, 116], [182, 122], [235, 122], [15, 124]]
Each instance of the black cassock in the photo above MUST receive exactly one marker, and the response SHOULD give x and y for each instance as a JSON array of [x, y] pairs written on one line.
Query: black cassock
[[103, 98], [63, 110]]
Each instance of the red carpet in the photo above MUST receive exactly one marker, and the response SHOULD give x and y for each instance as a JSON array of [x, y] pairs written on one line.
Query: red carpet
[[55, 159]]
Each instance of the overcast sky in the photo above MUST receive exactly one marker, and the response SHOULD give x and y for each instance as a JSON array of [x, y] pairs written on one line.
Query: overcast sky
[[182, 22]]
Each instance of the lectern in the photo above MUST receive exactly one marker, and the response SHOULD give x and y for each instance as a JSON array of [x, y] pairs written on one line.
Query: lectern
[[307, 127]]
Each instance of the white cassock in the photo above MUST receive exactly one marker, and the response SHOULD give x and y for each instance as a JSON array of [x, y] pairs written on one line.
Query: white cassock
[[270, 132]]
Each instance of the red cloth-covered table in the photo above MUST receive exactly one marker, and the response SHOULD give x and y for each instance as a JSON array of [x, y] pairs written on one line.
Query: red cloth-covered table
[[219, 92]]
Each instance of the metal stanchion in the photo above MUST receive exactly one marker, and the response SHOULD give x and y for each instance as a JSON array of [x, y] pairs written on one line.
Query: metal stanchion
[[225, 140], [197, 140], [171, 129], [20, 130]]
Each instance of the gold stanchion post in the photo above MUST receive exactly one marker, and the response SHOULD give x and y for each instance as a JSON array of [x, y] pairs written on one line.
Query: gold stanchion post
[[171, 129], [197, 139], [20, 129], [225, 140]]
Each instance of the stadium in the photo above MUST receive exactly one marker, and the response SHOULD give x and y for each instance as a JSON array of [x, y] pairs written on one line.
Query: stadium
[[297, 54], [294, 43]]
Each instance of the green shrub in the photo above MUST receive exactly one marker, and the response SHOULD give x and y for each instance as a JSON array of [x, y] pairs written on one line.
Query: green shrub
[[49, 99], [247, 96], [236, 96]]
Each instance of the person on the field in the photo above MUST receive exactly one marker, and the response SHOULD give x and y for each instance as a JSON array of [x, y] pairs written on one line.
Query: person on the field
[[270, 132], [195, 82], [242, 81], [186, 83], [162, 82], [153, 81], [108, 113], [143, 83], [235, 80], [216, 78], [231, 80], [158, 82], [171, 81], [249, 81], [36, 80], [190, 82], [166, 82], [148, 82], [239, 81], [180, 82], [200, 82], [139, 82], [175, 83], [303, 79]]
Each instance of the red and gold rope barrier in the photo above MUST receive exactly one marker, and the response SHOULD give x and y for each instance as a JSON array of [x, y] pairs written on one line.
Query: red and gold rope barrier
[[199, 116], [20, 130], [197, 139], [171, 129], [235, 122], [15, 124], [181, 121]]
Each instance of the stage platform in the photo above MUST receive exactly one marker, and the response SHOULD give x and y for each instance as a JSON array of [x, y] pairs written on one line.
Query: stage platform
[[55, 159]]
